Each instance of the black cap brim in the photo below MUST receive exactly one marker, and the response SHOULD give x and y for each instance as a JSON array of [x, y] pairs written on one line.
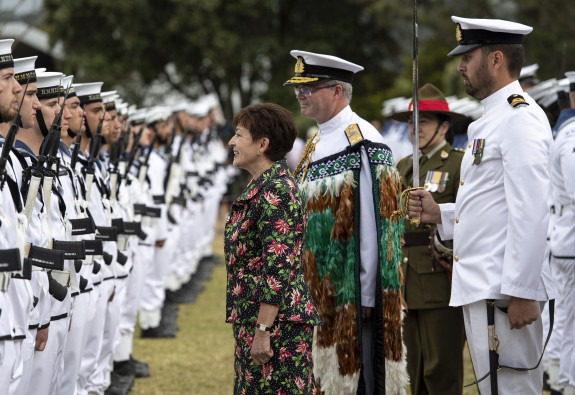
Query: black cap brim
[[461, 49]]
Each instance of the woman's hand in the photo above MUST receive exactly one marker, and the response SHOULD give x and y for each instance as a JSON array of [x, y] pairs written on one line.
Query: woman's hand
[[261, 351]]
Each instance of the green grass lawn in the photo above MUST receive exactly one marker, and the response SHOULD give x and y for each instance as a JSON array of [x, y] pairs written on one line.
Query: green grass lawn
[[200, 359]]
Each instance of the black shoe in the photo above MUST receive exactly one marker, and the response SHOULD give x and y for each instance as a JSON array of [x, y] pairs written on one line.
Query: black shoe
[[123, 368], [188, 292], [139, 368], [157, 333], [120, 385]]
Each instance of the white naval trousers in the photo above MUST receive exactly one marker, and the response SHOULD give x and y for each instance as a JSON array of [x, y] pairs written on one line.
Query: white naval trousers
[[8, 359], [131, 304], [153, 293], [76, 342], [47, 363], [517, 348], [565, 317]]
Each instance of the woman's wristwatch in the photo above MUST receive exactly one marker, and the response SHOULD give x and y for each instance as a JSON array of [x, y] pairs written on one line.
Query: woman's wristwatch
[[263, 328]]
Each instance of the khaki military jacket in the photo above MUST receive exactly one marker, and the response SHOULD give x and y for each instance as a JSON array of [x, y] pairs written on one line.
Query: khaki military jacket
[[426, 282]]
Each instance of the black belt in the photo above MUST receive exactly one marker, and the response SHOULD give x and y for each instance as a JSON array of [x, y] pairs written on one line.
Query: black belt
[[494, 365], [416, 238], [59, 317], [562, 257]]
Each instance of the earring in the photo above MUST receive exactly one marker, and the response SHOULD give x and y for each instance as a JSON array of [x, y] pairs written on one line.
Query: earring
[[259, 153]]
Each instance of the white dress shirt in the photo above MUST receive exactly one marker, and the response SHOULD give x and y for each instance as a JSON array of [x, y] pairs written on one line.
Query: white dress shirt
[[332, 139]]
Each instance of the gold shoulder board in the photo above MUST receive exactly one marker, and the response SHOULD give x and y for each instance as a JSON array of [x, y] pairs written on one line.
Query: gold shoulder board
[[353, 134], [516, 100]]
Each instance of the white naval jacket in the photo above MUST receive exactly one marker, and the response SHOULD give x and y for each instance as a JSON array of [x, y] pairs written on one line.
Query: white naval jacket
[[562, 173], [500, 216], [332, 139]]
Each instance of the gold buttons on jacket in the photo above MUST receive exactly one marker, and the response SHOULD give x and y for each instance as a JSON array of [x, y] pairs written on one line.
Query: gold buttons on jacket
[[469, 145], [405, 259], [462, 182], [456, 258], [456, 220]]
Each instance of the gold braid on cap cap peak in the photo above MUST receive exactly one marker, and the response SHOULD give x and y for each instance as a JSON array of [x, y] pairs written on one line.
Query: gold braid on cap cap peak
[[301, 80]]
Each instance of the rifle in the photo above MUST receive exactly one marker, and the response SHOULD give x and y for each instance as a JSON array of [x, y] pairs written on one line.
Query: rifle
[[144, 167], [49, 147], [95, 145], [133, 151], [10, 137], [173, 163], [115, 153], [76, 149]]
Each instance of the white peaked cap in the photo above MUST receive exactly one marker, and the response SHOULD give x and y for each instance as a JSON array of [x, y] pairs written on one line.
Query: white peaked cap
[[472, 33]]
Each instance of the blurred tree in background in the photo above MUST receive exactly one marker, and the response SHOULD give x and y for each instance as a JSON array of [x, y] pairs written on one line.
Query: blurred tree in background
[[240, 49]]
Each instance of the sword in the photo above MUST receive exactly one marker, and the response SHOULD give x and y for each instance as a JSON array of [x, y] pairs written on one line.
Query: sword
[[415, 108], [415, 100]]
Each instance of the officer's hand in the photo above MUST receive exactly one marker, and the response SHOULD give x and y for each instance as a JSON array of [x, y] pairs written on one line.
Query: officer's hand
[[422, 205], [522, 312], [41, 339], [261, 351]]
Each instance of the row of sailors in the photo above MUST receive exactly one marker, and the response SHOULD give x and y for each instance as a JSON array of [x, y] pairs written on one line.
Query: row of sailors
[[92, 231]]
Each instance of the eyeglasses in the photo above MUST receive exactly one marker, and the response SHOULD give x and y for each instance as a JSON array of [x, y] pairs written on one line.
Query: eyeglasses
[[307, 90]]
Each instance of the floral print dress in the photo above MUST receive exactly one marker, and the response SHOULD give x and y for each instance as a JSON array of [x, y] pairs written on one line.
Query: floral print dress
[[263, 244]]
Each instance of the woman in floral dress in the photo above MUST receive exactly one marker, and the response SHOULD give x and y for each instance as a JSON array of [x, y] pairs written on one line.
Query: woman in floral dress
[[267, 299]]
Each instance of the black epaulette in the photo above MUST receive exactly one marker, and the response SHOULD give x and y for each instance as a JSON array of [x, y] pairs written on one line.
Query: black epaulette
[[516, 100]]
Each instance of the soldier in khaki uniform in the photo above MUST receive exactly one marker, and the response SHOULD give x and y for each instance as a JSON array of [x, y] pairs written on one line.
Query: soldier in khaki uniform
[[434, 332]]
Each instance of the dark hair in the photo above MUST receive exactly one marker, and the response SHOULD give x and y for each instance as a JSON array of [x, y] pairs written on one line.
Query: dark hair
[[514, 53], [449, 135], [272, 121]]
